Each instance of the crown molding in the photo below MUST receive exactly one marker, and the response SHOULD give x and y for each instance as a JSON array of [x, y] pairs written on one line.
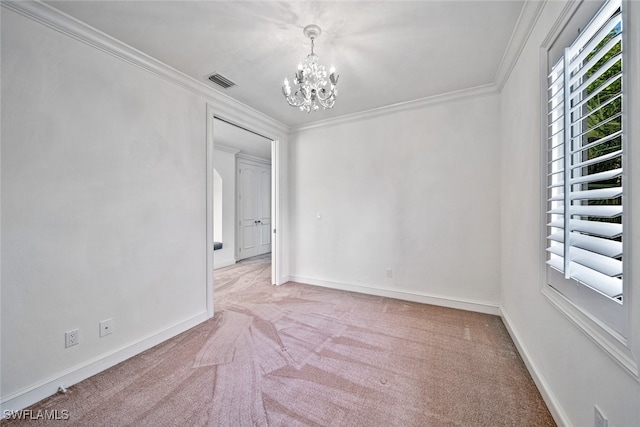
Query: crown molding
[[227, 149], [252, 159], [529, 15], [460, 95], [222, 104]]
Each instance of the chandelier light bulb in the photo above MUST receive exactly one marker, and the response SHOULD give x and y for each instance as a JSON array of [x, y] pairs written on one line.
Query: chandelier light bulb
[[286, 89], [310, 80]]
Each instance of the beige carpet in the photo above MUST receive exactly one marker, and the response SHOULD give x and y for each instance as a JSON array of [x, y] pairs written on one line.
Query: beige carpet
[[297, 355]]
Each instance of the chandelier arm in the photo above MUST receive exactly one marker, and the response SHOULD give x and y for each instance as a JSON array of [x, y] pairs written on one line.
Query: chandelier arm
[[327, 103], [330, 94], [295, 101]]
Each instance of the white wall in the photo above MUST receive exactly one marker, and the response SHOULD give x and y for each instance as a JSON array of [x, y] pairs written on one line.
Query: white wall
[[103, 208], [578, 374], [416, 191], [225, 164]]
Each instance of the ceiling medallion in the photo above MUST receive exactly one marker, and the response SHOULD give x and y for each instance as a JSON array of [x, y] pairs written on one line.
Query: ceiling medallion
[[310, 80]]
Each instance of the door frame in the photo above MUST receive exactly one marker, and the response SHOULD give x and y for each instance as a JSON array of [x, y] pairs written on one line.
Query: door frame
[[275, 201]]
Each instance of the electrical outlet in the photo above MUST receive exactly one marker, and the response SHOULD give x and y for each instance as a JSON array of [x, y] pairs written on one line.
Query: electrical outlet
[[599, 419], [71, 338], [106, 327], [389, 272]]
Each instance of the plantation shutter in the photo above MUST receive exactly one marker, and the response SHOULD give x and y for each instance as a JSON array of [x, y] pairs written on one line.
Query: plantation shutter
[[584, 170]]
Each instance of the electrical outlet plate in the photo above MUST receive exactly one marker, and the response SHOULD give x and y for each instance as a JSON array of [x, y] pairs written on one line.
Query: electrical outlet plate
[[599, 419], [106, 327], [71, 338]]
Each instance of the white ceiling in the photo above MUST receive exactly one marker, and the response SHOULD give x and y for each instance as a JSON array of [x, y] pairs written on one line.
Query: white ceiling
[[386, 52]]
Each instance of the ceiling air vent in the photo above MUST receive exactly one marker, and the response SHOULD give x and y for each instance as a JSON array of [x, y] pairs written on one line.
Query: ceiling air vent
[[221, 80]]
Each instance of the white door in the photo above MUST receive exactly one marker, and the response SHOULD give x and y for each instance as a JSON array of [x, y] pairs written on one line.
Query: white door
[[254, 209]]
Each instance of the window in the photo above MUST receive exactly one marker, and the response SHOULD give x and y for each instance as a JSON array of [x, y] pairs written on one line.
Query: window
[[585, 180]]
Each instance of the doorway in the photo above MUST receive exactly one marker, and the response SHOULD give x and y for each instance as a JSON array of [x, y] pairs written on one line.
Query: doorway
[[230, 148]]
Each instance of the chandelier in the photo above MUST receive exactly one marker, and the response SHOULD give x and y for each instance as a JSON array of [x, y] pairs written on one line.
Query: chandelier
[[310, 81]]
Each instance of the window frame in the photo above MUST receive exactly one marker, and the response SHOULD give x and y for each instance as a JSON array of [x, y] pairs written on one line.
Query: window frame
[[621, 345]]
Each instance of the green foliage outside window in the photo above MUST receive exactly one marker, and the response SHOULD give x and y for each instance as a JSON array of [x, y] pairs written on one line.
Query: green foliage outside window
[[604, 119]]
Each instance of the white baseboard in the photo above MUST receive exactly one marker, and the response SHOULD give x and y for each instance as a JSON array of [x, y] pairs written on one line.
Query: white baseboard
[[284, 280], [36, 392], [404, 294], [559, 416], [222, 264]]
